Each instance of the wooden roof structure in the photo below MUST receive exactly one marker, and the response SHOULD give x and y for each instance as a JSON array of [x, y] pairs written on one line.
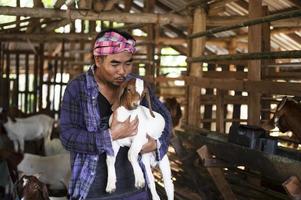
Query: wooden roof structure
[[212, 31], [241, 55]]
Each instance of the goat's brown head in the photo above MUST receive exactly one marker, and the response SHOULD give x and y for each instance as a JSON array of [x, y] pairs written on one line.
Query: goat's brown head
[[175, 110], [131, 94], [31, 188], [278, 118]]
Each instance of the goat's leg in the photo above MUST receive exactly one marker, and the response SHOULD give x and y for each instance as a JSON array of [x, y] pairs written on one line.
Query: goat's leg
[[164, 166], [133, 158], [21, 141], [111, 182], [16, 145], [150, 176]]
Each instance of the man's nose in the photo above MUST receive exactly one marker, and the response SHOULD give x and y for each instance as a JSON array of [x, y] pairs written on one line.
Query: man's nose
[[121, 70]]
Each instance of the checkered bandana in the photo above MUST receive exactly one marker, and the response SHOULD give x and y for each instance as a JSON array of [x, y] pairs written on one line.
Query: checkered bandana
[[111, 43]]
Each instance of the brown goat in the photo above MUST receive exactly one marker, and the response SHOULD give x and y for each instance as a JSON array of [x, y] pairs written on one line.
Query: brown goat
[[31, 188], [287, 118], [175, 110], [12, 159]]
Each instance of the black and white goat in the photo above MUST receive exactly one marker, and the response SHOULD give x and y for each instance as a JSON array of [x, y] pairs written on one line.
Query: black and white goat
[[150, 124], [30, 128]]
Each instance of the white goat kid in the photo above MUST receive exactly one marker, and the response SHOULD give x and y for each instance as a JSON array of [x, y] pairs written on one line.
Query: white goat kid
[[151, 124], [30, 128]]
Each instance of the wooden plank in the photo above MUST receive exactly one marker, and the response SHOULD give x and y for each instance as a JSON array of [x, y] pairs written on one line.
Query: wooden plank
[[273, 167], [35, 83], [293, 187], [254, 66], [198, 47], [41, 73], [217, 175], [220, 111], [149, 67], [91, 15], [26, 82]]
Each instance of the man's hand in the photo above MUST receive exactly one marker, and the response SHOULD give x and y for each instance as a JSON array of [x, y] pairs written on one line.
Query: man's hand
[[123, 129], [150, 146]]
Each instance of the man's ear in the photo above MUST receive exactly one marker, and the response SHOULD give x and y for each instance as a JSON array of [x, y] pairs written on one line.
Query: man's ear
[[98, 60]]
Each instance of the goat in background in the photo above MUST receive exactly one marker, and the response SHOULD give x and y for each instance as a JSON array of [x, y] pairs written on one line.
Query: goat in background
[[30, 128], [31, 188], [287, 117], [174, 108], [150, 124]]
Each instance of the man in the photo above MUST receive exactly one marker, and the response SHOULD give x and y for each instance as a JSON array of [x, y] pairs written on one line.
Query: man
[[85, 112]]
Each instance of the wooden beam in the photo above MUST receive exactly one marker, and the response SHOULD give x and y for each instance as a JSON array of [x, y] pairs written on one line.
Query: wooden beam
[[260, 20], [274, 167], [217, 175], [266, 87], [254, 66], [219, 4], [147, 18], [247, 56], [58, 4], [198, 47], [297, 3], [220, 111]]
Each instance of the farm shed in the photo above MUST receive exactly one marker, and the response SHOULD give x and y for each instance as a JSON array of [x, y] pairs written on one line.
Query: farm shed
[[227, 62]]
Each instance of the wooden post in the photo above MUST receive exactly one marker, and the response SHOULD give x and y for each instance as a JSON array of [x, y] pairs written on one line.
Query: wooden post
[[208, 108], [254, 66], [266, 47], [220, 111], [198, 45], [217, 175], [26, 82], [41, 73], [61, 72], [149, 67]]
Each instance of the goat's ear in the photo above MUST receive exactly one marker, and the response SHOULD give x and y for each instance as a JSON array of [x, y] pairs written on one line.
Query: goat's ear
[[38, 175], [147, 96], [45, 192], [116, 104]]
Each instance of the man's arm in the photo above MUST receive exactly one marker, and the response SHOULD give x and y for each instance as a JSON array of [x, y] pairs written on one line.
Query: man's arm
[[74, 134]]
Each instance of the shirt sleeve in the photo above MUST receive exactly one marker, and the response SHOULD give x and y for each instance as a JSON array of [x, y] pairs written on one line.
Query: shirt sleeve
[[74, 134], [164, 140]]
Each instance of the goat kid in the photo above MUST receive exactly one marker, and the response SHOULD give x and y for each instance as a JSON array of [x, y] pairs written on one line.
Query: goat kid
[[150, 124], [30, 128]]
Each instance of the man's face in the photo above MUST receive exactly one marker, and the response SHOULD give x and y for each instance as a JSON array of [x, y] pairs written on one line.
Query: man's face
[[113, 69]]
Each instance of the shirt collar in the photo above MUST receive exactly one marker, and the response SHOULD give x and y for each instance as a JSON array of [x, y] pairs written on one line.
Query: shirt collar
[[91, 83]]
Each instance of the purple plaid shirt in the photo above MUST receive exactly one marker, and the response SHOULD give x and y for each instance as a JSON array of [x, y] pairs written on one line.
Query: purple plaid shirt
[[83, 136]]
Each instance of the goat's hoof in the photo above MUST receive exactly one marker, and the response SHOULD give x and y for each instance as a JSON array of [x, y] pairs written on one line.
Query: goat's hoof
[[140, 183], [110, 188]]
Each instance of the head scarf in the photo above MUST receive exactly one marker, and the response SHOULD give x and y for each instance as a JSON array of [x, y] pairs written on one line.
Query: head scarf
[[111, 43]]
